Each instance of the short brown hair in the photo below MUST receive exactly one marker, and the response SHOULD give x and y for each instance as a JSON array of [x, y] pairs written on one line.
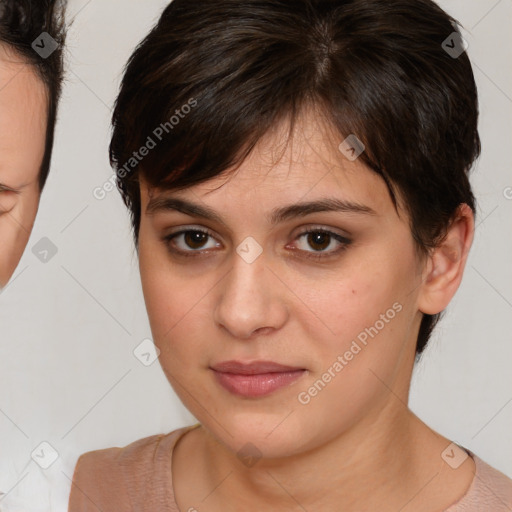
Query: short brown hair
[[376, 68]]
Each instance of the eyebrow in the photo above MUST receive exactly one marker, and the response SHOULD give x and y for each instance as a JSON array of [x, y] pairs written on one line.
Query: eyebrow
[[276, 216]]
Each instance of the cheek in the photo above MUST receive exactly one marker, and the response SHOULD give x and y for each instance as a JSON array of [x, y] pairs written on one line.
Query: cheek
[[7, 201], [8, 253], [174, 301], [356, 365], [337, 306], [362, 313], [15, 228], [28, 207]]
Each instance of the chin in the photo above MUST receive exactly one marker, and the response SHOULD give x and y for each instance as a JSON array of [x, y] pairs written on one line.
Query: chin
[[260, 435]]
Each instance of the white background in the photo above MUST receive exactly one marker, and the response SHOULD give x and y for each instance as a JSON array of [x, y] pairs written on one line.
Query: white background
[[68, 327]]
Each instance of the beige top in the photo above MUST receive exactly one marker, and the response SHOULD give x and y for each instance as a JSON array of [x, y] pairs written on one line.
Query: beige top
[[138, 478]]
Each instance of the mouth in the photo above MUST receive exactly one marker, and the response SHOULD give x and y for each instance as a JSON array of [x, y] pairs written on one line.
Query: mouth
[[255, 379]]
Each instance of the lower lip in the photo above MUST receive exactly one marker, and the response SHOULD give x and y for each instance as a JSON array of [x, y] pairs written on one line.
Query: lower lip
[[253, 386]]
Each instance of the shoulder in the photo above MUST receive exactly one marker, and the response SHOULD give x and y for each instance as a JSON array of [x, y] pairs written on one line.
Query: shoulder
[[108, 463], [112, 478], [493, 485], [490, 490]]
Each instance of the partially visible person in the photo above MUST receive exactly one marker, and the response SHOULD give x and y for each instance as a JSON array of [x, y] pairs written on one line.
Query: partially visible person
[[32, 34]]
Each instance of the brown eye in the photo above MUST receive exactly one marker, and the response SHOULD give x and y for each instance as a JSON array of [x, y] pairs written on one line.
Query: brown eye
[[195, 239], [319, 240], [187, 242]]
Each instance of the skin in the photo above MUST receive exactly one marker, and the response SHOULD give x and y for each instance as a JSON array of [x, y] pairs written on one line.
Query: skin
[[23, 107], [356, 437]]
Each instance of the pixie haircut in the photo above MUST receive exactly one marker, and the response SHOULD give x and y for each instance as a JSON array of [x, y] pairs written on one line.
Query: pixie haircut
[[21, 23], [211, 78]]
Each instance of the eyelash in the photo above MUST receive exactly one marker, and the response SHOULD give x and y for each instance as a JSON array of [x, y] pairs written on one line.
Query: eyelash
[[315, 255]]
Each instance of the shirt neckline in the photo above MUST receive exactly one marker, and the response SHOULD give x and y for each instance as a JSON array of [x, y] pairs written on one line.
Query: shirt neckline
[[180, 433]]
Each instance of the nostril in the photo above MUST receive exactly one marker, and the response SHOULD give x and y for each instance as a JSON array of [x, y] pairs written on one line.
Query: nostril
[[262, 331]]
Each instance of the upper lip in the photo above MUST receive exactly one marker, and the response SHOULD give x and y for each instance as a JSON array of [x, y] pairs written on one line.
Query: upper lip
[[253, 368]]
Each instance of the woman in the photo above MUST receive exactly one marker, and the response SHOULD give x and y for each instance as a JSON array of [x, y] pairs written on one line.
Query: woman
[[297, 178]]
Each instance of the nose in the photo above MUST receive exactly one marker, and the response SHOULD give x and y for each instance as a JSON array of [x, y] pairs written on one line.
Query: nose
[[250, 300]]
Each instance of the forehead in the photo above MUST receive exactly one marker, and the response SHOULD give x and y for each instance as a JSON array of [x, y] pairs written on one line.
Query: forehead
[[23, 117], [287, 167]]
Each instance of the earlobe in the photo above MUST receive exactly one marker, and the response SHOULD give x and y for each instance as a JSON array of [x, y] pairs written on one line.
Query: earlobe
[[445, 266]]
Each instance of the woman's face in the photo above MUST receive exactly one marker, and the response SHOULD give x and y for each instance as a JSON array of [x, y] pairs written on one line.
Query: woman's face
[[23, 118], [339, 311]]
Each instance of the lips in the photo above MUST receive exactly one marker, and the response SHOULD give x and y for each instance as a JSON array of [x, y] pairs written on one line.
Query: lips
[[255, 379]]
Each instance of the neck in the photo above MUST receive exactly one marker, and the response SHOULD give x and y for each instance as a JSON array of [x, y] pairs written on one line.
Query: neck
[[376, 462]]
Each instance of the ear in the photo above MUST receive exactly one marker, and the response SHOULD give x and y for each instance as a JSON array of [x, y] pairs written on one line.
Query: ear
[[445, 266]]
